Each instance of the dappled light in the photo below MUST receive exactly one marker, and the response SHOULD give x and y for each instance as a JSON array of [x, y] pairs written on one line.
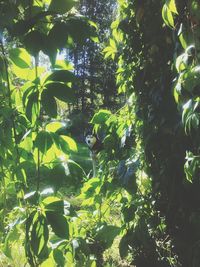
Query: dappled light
[[99, 136]]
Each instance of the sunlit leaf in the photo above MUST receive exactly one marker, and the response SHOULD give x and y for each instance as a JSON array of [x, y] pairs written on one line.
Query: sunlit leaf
[[33, 107], [171, 4], [167, 16], [70, 142], [20, 57], [54, 126]]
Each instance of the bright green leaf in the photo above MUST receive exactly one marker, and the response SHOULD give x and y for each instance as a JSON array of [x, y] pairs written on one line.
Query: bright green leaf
[[167, 16], [70, 142], [171, 4], [20, 57], [54, 126]]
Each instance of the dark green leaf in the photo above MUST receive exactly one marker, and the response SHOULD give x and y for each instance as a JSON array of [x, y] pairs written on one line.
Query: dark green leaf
[[124, 246], [59, 257], [39, 235], [58, 35], [64, 76], [34, 42], [57, 177], [129, 213], [33, 107], [43, 141], [20, 27], [61, 91], [58, 223], [54, 204], [2, 68], [49, 104], [61, 6], [106, 234], [101, 116], [80, 29]]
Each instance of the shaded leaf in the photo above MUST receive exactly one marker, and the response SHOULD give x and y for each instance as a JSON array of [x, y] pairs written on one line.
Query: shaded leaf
[[64, 76], [34, 42], [54, 204], [49, 104], [101, 116], [61, 91], [58, 223], [43, 141], [61, 6]]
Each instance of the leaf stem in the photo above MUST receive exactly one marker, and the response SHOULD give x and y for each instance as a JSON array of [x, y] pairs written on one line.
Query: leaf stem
[[37, 131]]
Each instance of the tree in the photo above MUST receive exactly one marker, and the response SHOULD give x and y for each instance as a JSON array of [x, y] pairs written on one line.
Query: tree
[[97, 78]]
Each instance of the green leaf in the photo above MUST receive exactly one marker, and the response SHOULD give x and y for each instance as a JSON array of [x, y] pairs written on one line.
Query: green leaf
[[101, 116], [61, 6], [129, 212], [49, 104], [11, 237], [33, 107], [106, 234], [58, 223], [34, 42], [25, 74], [80, 29], [32, 197], [171, 4], [59, 257], [54, 126], [61, 143], [54, 204], [124, 246], [64, 76], [43, 141], [70, 142], [167, 16], [181, 62], [61, 91], [57, 177], [39, 235], [58, 35], [76, 172], [2, 68], [20, 57]]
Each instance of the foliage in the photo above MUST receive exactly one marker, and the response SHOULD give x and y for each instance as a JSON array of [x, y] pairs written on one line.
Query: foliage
[[145, 194], [163, 233], [34, 153], [96, 88]]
